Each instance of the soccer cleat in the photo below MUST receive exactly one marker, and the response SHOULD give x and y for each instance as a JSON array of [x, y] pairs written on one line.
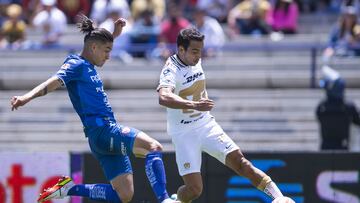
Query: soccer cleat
[[58, 191]]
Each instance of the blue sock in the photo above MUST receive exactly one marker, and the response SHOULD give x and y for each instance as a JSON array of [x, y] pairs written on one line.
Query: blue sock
[[103, 192], [155, 172]]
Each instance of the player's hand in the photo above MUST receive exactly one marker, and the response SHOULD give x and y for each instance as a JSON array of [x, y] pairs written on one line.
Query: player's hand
[[17, 101], [204, 105], [119, 24]]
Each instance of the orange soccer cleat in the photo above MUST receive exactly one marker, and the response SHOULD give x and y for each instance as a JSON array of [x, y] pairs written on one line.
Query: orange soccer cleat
[[58, 191]]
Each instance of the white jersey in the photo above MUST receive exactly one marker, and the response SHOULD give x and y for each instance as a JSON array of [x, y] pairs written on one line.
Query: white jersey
[[189, 83]]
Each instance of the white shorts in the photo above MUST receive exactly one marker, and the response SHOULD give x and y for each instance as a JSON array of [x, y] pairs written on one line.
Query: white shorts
[[189, 145]]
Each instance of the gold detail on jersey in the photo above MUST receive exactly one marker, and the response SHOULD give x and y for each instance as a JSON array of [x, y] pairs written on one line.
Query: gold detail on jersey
[[196, 91], [195, 115], [187, 165]]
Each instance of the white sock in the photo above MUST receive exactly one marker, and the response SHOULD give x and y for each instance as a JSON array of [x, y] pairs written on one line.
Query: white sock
[[272, 190]]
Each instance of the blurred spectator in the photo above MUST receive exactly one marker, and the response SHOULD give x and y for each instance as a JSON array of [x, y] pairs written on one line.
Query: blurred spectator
[[353, 3], [52, 21], [283, 16], [122, 43], [342, 34], [71, 8], [145, 33], [13, 29], [249, 17], [335, 114], [100, 8], [210, 27], [157, 7], [218, 9], [30, 8], [2, 13], [354, 43], [170, 28]]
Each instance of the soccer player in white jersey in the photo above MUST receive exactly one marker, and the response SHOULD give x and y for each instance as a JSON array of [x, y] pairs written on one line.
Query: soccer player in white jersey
[[191, 126]]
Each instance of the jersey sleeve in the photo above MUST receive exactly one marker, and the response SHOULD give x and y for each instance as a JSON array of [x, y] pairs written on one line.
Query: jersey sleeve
[[167, 77], [69, 71]]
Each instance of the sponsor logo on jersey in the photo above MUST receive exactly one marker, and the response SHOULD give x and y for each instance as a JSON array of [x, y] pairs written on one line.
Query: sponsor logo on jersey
[[95, 78], [123, 149], [190, 121], [193, 77]]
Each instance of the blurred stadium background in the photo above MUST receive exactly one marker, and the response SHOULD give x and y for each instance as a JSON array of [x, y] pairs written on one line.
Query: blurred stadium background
[[265, 91]]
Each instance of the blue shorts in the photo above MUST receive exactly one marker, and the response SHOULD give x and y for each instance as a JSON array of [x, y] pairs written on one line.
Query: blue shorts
[[111, 145]]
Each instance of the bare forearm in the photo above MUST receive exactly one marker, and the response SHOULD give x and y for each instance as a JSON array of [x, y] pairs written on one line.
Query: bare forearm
[[48, 86], [176, 102], [38, 91], [169, 99]]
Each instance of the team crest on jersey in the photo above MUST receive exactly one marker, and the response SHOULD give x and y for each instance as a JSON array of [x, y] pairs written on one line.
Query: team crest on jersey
[[166, 71], [65, 66], [187, 165], [125, 130]]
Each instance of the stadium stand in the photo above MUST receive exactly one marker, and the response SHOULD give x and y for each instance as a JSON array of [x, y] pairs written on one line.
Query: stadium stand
[[258, 119], [261, 89]]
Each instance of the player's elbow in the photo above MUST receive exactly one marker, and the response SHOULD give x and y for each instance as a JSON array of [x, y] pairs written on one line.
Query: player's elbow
[[163, 99]]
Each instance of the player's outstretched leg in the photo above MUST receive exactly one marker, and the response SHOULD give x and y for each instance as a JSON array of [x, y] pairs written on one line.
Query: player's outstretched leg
[[66, 187], [243, 167]]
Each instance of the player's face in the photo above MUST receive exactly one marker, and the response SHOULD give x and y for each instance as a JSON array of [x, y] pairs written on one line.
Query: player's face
[[192, 55], [101, 53]]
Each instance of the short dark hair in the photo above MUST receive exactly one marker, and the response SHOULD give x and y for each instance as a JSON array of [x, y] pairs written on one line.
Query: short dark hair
[[86, 26], [188, 34]]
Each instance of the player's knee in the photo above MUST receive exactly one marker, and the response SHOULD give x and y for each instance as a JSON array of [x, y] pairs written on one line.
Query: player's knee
[[126, 198], [155, 146], [125, 195]]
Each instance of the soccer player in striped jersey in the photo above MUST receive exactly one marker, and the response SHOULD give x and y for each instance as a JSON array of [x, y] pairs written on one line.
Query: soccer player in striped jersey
[[191, 126], [110, 142]]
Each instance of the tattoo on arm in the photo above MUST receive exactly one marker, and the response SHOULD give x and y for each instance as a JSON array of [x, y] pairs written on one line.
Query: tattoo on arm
[[46, 87], [60, 81]]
